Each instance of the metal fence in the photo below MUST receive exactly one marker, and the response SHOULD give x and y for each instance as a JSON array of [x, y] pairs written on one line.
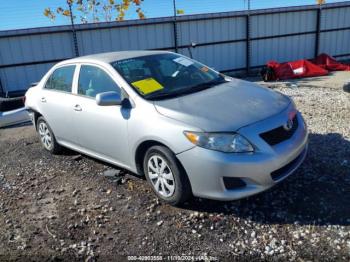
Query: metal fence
[[229, 41]]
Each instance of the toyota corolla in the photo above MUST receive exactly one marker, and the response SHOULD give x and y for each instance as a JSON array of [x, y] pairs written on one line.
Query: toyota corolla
[[189, 129]]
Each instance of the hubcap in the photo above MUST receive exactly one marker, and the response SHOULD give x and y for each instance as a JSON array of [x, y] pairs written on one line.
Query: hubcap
[[45, 135], [161, 176]]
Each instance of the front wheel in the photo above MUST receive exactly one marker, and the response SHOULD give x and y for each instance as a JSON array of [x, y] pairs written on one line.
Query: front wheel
[[167, 177], [47, 137]]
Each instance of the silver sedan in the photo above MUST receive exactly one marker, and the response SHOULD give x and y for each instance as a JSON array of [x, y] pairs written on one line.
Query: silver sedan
[[189, 129]]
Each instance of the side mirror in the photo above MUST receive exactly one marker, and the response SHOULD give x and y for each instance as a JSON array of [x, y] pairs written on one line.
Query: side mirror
[[108, 99]]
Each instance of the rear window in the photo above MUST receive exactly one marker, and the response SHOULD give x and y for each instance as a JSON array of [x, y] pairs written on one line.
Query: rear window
[[61, 79]]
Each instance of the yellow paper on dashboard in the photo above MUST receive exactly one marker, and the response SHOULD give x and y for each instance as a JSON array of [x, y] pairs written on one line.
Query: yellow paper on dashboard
[[147, 86]]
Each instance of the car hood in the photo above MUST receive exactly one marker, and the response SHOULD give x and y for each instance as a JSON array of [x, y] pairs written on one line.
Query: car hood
[[225, 107]]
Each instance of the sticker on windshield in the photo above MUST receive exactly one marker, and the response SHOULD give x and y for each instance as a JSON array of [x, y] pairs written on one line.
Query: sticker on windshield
[[147, 86], [183, 61]]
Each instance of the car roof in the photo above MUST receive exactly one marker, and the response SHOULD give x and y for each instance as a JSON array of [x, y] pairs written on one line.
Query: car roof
[[112, 56]]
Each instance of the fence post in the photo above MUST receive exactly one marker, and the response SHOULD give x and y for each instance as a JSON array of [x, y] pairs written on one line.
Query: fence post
[[2, 91], [75, 42], [175, 28], [318, 30], [248, 43]]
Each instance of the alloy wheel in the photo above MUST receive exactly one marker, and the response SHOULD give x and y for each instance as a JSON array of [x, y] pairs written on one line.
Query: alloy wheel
[[45, 135], [161, 176]]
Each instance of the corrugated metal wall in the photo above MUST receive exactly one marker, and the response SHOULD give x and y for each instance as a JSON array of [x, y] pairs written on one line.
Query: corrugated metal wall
[[335, 42], [282, 48], [226, 54], [281, 34]]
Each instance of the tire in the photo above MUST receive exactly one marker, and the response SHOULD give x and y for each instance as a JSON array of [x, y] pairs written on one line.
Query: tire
[[47, 137], [171, 175]]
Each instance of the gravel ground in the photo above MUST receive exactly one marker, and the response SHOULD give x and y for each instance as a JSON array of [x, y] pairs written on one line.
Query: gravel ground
[[67, 207]]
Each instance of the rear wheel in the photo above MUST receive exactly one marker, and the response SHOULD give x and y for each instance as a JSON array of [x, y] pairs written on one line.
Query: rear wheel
[[47, 137], [167, 177]]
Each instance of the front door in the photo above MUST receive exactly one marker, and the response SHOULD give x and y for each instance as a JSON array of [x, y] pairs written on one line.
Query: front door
[[101, 130]]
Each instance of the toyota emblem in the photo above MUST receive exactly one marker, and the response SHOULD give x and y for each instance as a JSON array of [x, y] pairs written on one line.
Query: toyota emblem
[[289, 125]]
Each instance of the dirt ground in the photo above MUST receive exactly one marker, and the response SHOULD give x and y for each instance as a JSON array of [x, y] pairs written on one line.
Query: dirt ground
[[66, 207]]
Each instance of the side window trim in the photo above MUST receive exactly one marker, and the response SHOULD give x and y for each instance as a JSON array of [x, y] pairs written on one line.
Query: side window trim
[[50, 74]]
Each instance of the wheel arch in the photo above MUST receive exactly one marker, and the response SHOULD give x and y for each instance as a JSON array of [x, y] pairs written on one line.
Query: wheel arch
[[142, 149], [35, 118], [140, 153]]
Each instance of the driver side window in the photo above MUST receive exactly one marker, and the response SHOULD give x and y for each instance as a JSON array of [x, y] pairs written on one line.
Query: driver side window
[[93, 80]]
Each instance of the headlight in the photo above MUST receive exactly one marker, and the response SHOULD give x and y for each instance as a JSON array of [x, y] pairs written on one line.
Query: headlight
[[224, 142]]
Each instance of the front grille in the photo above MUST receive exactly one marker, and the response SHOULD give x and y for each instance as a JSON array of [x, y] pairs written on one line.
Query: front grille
[[279, 173], [233, 183], [279, 134]]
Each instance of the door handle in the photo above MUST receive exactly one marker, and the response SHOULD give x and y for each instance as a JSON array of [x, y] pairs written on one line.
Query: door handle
[[77, 108], [43, 100]]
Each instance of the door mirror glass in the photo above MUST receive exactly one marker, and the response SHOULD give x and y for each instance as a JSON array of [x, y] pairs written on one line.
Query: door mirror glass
[[108, 99]]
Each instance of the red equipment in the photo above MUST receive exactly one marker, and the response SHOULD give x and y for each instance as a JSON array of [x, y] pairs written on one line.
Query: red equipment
[[295, 69], [318, 66], [327, 62]]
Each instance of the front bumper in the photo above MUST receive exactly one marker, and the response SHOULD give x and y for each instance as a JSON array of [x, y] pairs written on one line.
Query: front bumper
[[206, 169]]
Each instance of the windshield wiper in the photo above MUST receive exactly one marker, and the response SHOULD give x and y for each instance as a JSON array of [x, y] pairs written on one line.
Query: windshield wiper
[[187, 90], [161, 95], [206, 85]]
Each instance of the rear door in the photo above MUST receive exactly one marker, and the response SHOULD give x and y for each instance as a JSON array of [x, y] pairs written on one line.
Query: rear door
[[56, 102], [101, 130]]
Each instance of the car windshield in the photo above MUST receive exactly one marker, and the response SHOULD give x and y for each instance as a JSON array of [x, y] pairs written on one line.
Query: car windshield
[[168, 75]]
